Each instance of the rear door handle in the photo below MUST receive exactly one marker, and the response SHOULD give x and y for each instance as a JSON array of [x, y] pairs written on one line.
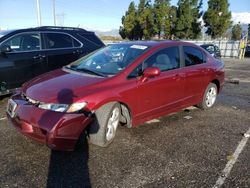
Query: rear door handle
[[176, 77], [77, 52], [39, 57], [182, 75]]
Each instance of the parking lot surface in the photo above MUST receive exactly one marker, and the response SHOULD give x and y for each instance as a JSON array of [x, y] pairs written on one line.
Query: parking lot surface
[[186, 149]]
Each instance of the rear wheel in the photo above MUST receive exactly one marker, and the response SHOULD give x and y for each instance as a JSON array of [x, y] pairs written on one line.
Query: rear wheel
[[209, 97], [102, 131]]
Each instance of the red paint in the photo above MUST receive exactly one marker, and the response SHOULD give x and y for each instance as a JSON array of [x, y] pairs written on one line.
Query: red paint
[[149, 96]]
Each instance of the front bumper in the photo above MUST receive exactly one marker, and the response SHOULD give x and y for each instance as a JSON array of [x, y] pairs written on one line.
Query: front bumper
[[59, 131]]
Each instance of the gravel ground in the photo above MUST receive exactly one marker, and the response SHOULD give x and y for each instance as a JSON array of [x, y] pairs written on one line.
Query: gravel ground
[[174, 152]]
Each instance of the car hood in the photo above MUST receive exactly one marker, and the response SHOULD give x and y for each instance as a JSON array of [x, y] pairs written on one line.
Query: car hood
[[60, 86]]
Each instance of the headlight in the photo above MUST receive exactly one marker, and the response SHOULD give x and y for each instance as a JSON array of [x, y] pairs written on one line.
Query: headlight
[[77, 106], [63, 107], [54, 107]]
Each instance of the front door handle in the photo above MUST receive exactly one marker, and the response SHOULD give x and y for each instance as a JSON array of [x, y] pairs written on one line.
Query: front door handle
[[205, 70]]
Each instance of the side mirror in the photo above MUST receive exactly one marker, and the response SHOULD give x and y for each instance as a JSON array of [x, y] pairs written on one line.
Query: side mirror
[[150, 72], [5, 48]]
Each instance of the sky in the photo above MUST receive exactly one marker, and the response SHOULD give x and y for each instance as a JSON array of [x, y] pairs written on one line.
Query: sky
[[100, 15]]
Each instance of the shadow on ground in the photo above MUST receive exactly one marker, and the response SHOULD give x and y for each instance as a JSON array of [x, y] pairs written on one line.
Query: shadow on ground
[[69, 169]]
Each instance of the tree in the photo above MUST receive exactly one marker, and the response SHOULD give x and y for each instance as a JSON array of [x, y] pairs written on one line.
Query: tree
[[236, 32], [173, 20], [188, 15], [129, 21], [162, 18], [197, 14], [122, 32], [217, 18], [147, 27], [138, 23]]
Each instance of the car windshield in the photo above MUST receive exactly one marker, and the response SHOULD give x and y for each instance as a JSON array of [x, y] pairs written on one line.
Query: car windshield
[[110, 60]]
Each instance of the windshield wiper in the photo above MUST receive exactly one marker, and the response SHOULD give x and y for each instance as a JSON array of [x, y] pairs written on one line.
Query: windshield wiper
[[87, 71]]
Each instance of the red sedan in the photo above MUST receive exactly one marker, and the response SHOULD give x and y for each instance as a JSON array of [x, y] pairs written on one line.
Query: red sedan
[[126, 83]]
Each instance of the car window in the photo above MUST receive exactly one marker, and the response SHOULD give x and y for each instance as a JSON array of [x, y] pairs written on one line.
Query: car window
[[166, 59], [217, 49], [24, 42], [76, 44], [210, 49], [136, 72], [90, 38], [193, 56], [58, 40]]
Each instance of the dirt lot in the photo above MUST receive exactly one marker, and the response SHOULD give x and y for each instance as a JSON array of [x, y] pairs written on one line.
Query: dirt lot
[[175, 152]]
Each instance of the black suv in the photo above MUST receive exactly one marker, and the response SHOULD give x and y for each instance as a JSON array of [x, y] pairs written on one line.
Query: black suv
[[27, 53]]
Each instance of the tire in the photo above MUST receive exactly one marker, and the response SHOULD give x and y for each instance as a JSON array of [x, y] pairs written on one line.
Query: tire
[[102, 131], [209, 97]]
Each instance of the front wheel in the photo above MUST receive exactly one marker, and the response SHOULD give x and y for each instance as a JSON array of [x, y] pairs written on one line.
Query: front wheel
[[209, 97], [102, 131]]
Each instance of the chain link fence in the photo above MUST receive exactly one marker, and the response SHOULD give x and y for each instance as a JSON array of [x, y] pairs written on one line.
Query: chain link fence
[[228, 48]]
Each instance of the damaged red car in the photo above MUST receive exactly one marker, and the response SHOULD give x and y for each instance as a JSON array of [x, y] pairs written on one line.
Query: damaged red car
[[125, 83]]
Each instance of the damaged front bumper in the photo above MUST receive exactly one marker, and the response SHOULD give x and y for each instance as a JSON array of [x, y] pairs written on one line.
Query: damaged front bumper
[[59, 131]]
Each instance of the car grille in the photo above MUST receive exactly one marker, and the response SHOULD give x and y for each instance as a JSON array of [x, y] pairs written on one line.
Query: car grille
[[29, 100]]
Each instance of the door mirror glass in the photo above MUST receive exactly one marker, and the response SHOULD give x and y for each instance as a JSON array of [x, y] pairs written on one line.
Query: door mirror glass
[[151, 72], [5, 48]]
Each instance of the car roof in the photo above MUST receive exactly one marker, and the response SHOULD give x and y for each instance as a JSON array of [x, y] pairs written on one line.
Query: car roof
[[208, 45], [5, 32], [157, 42], [50, 28]]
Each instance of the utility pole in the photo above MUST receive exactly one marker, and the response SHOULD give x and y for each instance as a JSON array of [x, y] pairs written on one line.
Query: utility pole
[[39, 21], [54, 11], [60, 19]]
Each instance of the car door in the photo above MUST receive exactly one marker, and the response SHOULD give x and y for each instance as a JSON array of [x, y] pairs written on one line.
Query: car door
[[61, 49], [162, 92], [196, 73], [24, 61]]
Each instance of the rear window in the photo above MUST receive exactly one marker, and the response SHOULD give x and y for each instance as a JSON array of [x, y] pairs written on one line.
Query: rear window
[[60, 40], [193, 56], [90, 38]]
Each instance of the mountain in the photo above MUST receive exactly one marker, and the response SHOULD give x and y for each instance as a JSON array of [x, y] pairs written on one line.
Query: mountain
[[112, 32]]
